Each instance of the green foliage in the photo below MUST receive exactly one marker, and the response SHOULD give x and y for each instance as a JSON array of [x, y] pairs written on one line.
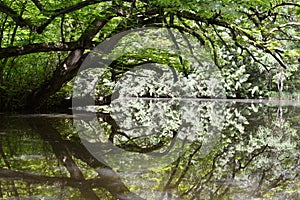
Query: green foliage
[[253, 43]]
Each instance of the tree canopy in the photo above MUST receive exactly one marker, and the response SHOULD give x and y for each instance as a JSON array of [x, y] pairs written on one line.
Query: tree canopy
[[254, 44]]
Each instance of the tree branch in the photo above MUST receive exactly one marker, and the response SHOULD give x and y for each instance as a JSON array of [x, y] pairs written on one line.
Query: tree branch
[[63, 11], [39, 47], [14, 15], [39, 29], [286, 4], [38, 5], [251, 39]]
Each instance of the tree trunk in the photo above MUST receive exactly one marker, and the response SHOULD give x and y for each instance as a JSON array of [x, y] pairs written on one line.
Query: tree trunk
[[66, 70], [63, 73]]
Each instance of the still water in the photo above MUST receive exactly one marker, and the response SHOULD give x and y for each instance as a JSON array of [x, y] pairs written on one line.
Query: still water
[[150, 149]]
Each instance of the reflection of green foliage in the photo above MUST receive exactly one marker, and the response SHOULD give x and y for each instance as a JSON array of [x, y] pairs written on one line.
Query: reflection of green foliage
[[223, 150], [24, 151], [241, 162]]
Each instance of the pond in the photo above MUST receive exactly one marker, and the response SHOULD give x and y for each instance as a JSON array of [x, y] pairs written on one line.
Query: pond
[[154, 149]]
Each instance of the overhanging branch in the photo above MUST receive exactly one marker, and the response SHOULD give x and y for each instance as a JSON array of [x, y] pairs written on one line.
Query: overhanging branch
[[38, 47], [286, 4], [14, 15], [20, 21]]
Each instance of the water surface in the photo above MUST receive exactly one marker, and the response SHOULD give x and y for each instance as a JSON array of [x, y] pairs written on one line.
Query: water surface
[[151, 149]]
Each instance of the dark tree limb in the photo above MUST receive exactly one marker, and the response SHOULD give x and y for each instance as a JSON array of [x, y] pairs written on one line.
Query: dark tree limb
[[38, 5], [20, 21], [286, 4], [14, 15], [39, 47]]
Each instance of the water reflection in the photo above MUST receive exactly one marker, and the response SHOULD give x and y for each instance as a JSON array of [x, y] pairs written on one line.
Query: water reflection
[[146, 149]]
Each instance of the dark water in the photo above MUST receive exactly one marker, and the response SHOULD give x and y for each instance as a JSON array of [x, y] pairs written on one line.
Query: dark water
[[146, 149]]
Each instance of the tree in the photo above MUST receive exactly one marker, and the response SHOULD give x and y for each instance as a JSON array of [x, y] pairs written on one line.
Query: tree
[[43, 43]]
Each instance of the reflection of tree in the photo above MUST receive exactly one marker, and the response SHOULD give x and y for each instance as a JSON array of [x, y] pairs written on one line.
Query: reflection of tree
[[133, 143], [68, 152], [158, 120], [241, 167], [7, 165], [62, 153], [237, 163], [248, 160]]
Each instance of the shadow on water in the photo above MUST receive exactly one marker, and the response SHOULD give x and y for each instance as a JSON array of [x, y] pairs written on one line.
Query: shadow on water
[[149, 149]]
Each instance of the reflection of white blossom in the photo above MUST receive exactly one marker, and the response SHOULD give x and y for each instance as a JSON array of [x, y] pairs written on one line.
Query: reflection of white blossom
[[191, 120], [231, 155]]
